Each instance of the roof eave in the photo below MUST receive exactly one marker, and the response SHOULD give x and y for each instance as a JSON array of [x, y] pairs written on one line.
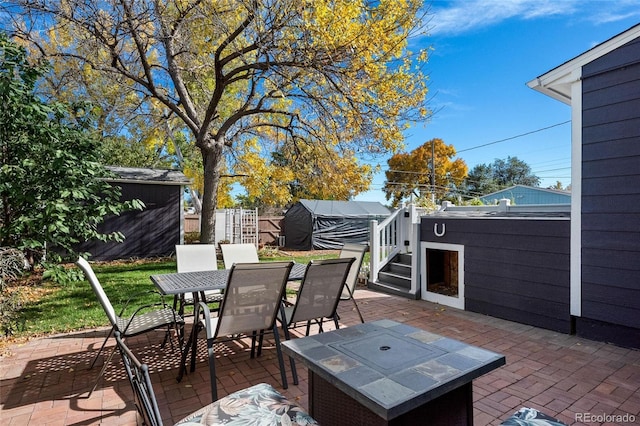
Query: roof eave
[[142, 175], [554, 89], [149, 182], [557, 82]]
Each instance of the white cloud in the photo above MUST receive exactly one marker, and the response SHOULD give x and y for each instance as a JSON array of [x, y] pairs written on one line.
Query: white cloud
[[461, 16], [619, 14]]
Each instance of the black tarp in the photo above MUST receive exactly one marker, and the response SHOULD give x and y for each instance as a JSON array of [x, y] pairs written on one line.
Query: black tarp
[[326, 224]]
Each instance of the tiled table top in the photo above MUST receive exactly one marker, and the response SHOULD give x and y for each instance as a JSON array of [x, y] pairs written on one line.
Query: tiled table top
[[390, 367]]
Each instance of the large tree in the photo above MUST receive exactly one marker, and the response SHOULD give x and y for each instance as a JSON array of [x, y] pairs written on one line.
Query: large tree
[[231, 73], [51, 193], [480, 181], [329, 176], [487, 178], [410, 174]]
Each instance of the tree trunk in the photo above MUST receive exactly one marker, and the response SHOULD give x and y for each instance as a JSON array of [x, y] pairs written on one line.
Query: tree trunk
[[176, 147], [211, 160]]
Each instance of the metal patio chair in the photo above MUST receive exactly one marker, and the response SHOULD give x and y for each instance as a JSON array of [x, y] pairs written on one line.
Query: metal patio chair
[[249, 308], [317, 298], [196, 258], [356, 251], [144, 318], [241, 407], [238, 253]]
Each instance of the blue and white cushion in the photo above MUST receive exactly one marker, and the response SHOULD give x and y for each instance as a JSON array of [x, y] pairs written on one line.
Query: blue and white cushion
[[531, 417], [259, 405]]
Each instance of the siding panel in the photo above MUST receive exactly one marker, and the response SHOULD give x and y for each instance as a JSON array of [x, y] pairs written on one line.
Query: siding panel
[[611, 167], [610, 192], [614, 204], [596, 276], [611, 131], [152, 232], [617, 112], [615, 185], [503, 273], [613, 88], [621, 260], [514, 283], [610, 222], [551, 260], [611, 149], [623, 56], [533, 315], [611, 241], [552, 310], [620, 315]]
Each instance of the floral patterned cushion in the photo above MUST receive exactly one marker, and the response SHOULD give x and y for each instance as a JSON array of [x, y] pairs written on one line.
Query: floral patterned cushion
[[258, 405], [531, 417]]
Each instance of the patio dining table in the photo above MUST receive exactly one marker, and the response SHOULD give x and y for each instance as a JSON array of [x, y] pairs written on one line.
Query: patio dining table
[[197, 283]]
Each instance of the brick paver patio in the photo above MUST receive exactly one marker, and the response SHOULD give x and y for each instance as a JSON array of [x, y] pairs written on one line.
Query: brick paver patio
[[45, 381]]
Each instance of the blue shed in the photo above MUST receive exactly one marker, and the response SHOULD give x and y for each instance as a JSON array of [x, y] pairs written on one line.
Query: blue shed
[[523, 194]]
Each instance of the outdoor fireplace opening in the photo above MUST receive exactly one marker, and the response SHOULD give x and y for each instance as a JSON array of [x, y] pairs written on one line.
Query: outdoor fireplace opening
[[442, 272]]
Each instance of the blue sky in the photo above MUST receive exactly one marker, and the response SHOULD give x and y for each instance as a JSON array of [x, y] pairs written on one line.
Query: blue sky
[[484, 53]]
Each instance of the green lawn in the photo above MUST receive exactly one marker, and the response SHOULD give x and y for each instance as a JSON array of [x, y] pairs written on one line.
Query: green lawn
[[74, 306]]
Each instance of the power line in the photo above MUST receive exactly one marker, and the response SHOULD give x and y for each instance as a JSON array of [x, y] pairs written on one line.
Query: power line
[[407, 172], [553, 170], [493, 143], [562, 160], [472, 180], [392, 183], [514, 137]]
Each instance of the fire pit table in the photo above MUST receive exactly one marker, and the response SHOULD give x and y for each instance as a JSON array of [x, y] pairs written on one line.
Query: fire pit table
[[388, 373]]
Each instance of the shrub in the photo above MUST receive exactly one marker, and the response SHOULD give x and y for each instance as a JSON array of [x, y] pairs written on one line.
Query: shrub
[[12, 265], [52, 196], [191, 237]]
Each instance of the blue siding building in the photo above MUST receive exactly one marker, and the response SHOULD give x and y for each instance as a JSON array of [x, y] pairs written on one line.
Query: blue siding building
[[522, 195]]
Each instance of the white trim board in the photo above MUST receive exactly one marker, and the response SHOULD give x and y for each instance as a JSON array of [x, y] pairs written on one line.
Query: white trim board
[[454, 302]]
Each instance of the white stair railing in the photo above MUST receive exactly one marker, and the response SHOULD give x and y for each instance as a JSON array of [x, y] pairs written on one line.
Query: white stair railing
[[391, 237]]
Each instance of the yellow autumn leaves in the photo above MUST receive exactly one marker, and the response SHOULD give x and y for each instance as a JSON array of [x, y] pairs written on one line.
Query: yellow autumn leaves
[[296, 92]]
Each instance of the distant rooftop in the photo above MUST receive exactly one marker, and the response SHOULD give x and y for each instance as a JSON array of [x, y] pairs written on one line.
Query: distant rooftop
[[470, 214], [142, 175], [523, 194], [505, 210], [332, 208]]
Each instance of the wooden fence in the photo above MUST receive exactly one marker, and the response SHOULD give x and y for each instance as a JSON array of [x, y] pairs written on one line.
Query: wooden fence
[[191, 223], [269, 228]]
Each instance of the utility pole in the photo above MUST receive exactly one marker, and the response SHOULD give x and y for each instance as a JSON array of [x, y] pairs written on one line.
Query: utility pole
[[433, 171]]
